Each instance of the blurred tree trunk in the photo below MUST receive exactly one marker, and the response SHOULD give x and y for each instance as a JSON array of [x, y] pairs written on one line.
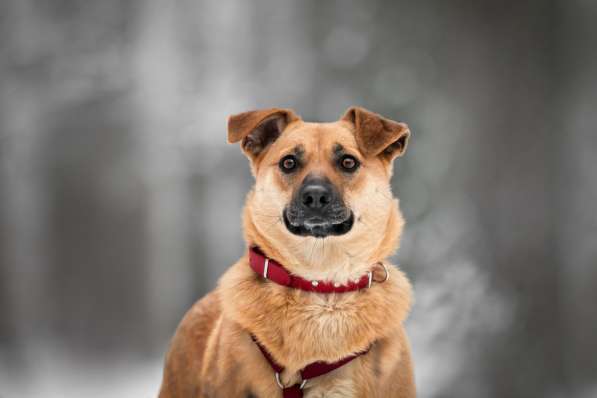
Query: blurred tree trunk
[[575, 187]]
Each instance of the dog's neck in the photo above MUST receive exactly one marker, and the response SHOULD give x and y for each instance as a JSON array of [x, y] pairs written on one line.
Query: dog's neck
[[277, 315], [331, 259], [343, 323]]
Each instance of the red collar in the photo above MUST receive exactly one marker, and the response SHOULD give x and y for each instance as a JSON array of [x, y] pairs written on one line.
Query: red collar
[[310, 371], [272, 270]]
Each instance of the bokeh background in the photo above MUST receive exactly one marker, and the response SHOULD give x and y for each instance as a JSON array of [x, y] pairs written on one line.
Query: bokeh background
[[120, 200]]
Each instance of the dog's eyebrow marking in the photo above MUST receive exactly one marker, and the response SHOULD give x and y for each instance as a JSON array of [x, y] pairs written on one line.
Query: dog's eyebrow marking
[[298, 151], [338, 149]]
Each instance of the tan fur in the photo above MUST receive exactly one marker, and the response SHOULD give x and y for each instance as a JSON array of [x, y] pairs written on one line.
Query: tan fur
[[212, 354]]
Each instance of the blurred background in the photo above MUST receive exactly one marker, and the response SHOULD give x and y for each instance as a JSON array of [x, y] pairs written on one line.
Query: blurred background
[[114, 166]]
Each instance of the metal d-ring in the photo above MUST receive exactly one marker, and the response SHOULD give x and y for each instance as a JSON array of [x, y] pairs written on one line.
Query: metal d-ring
[[386, 271], [386, 277], [278, 381]]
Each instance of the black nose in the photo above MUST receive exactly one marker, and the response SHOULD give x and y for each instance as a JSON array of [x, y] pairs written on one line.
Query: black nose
[[316, 193], [316, 197]]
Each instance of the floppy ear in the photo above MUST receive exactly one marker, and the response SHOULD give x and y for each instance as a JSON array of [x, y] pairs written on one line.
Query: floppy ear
[[258, 129], [376, 135]]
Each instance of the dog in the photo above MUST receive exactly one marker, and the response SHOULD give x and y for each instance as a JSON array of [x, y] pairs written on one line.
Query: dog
[[313, 309]]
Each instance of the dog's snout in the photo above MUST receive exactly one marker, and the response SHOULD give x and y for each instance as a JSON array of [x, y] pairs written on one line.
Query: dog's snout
[[316, 193], [316, 196], [317, 209]]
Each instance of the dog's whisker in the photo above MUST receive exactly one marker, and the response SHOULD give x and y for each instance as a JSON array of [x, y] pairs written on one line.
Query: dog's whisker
[[299, 244], [384, 195], [267, 215], [277, 221], [267, 191], [270, 226]]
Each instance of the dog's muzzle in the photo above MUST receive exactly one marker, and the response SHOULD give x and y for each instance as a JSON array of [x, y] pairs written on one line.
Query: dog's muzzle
[[317, 210]]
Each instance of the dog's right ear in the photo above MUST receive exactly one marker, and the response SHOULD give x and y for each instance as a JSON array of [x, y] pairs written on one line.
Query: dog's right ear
[[258, 129]]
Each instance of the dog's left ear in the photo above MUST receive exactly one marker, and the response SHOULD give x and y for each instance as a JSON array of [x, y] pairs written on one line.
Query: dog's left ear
[[258, 129], [376, 135]]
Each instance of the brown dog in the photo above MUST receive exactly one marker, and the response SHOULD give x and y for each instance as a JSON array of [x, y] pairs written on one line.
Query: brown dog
[[323, 221]]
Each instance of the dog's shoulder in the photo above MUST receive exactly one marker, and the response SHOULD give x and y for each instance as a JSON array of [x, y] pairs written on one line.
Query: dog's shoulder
[[186, 353], [198, 322]]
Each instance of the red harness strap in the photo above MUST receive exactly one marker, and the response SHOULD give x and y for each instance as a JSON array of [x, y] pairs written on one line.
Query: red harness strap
[[272, 270], [310, 371]]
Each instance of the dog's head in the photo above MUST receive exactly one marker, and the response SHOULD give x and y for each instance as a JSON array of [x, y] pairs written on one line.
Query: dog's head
[[320, 182]]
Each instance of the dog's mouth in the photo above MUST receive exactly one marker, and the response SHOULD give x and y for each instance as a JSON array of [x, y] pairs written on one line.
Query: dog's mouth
[[317, 226]]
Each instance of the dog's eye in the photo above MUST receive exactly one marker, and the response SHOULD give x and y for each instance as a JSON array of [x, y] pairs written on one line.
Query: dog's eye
[[288, 163], [349, 163]]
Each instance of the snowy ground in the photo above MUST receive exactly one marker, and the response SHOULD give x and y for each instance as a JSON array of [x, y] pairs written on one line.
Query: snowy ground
[[60, 376]]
